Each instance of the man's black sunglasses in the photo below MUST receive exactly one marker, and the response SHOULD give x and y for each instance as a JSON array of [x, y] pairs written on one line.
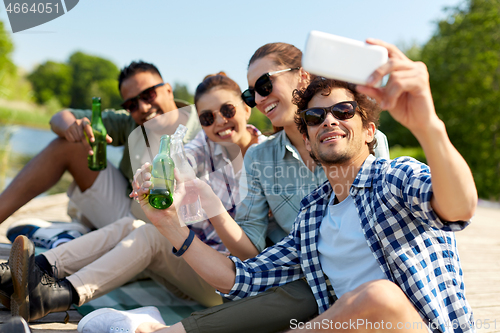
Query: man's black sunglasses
[[341, 111], [148, 96], [263, 86]]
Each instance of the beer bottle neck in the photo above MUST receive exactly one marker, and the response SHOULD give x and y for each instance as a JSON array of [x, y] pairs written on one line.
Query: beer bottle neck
[[96, 112], [165, 145]]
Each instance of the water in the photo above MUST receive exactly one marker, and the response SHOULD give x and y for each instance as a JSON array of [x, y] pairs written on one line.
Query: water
[[30, 141]]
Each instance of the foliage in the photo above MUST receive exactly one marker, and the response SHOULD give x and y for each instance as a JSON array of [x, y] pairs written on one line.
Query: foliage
[[52, 80], [181, 92], [260, 121], [32, 118], [73, 84], [95, 73], [396, 133], [463, 59], [7, 67], [415, 152]]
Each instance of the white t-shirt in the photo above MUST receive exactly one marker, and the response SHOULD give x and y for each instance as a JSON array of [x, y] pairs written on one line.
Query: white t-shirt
[[343, 250]]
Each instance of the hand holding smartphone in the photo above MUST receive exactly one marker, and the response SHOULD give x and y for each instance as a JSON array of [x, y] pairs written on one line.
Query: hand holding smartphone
[[342, 58]]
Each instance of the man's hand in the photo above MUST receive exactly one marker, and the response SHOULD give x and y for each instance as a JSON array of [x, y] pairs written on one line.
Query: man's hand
[[79, 131], [407, 94], [407, 97]]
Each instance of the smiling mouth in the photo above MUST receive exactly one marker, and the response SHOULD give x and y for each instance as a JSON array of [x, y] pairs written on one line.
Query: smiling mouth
[[331, 138], [271, 108], [151, 116], [225, 132]]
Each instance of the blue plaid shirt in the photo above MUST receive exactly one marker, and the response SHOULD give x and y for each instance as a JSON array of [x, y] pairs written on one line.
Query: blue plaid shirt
[[414, 248]]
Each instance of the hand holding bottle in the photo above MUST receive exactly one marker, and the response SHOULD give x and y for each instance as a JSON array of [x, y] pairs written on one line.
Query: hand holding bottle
[[141, 188]]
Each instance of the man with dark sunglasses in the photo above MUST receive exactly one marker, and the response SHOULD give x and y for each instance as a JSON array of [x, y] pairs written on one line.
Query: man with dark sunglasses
[[100, 196], [375, 241]]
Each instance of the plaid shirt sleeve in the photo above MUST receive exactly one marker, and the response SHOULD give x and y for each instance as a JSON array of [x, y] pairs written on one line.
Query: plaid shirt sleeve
[[275, 266], [410, 181]]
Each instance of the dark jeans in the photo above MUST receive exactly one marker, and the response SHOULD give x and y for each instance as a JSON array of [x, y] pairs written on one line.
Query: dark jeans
[[270, 311]]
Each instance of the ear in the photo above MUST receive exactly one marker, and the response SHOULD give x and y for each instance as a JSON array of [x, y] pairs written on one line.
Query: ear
[[370, 132], [248, 111], [304, 78], [168, 88], [306, 142]]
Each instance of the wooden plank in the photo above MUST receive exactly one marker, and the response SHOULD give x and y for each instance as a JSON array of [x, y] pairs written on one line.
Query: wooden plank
[[478, 245]]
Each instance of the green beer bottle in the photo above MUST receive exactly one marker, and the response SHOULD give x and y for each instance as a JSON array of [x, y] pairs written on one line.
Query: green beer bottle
[[162, 177], [98, 160]]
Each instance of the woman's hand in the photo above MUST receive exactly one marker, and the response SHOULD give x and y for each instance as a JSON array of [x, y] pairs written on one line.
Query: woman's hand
[[163, 219]]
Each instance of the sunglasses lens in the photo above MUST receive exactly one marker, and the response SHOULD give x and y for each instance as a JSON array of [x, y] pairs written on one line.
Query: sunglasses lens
[[130, 105], [206, 118], [148, 95], [263, 85], [314, 116], [343, 111], [248, 97], [228, 111]]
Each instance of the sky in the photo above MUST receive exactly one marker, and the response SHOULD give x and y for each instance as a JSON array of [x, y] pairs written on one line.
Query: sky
[[187, 40]]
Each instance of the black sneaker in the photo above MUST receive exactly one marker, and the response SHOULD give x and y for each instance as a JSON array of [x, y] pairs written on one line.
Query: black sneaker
[[36, 292], [15, 325], [6, 288]]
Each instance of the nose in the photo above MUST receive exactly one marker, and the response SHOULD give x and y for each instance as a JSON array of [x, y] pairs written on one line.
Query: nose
[[143, 106], [219, 119], [259, 98], [330, 120]]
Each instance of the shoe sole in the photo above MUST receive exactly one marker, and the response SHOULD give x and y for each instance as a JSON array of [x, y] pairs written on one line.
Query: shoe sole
[[98, 312], [22, 250]]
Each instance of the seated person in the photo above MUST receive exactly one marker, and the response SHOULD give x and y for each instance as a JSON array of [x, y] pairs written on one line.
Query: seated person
[[375, 242], [101, 196], [105, 259]]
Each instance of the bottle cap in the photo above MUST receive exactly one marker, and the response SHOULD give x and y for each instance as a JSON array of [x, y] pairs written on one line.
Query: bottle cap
[[96, 99]]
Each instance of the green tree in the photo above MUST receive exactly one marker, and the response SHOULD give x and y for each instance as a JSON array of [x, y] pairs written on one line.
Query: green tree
[[7, 67], [181, 92], [93, 74], [397, 134], [463, 58], [52, 80]]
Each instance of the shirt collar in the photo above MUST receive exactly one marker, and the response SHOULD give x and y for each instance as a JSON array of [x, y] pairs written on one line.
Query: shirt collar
[[286, 146], [365, 175], [363, 179]]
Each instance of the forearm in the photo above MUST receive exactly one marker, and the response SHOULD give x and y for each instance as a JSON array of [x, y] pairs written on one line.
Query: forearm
[[233, 237], [215, 268], [60, 122], [454, 192]]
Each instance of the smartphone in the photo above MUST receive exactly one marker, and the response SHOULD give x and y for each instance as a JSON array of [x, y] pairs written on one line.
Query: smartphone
[[342, 58]]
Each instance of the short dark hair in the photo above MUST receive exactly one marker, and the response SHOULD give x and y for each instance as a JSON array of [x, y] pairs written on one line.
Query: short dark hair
[[367, 107], [134, 68]]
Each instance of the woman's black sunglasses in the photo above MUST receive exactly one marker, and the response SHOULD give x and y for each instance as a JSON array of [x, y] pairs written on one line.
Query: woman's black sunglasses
[[341, 111], [207, 118], [263, 86]]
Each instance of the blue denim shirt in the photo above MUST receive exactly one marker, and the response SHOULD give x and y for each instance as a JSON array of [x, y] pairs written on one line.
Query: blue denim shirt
[[274, 182]]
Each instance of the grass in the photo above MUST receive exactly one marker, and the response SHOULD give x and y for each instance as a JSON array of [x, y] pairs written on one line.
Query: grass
[[415, 152], [32, 118]]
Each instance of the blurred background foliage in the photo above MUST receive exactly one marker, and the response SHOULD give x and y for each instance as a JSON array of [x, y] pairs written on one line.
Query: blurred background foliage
[[463, 58]]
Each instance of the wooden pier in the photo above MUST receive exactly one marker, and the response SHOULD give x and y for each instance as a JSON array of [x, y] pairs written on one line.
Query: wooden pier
[[479, 249]]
